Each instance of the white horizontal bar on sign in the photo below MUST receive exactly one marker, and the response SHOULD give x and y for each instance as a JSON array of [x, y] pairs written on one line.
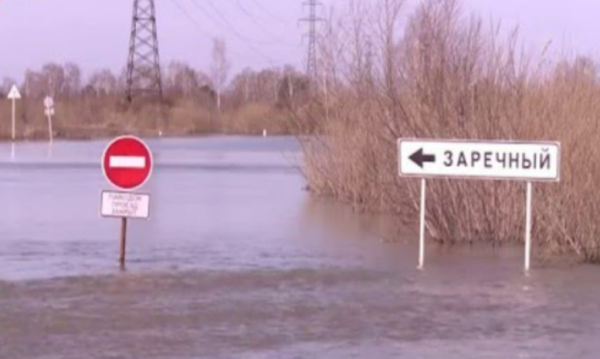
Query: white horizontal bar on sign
[[127, 162]]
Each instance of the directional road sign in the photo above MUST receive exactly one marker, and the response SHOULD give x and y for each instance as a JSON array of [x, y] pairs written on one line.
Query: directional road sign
[[530, 161], [127, 162]]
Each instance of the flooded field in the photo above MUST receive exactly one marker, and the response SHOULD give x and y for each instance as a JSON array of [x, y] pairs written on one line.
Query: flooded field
[[237, 261]]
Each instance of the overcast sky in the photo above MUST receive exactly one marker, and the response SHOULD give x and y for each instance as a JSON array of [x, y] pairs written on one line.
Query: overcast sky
[[95, 33]]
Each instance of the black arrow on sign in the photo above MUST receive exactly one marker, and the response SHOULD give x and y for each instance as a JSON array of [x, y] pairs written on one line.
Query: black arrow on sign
[[419, 158]]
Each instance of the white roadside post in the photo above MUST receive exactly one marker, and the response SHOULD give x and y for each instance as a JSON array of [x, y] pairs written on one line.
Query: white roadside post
[[49, 111], [14, 95], [484, 160]]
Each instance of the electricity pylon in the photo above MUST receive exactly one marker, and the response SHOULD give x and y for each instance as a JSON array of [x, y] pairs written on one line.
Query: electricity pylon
[[312, 20], [143, 65]]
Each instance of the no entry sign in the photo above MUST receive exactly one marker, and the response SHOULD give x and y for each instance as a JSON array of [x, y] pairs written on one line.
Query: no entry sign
[[127, 162]]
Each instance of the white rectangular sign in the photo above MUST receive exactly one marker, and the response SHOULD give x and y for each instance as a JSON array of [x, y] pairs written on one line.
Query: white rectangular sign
[[530, 161], [124, 204]]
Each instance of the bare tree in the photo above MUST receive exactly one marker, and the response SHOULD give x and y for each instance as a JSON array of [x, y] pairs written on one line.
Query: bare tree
[[35, 86], [72, 79], [220, 68], [54, 76], [182, 80], [103, 83]]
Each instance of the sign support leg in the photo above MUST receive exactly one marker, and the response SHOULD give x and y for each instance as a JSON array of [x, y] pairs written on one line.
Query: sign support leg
[[422, 226], [123, 241], [528, 229], [13, 119], [50, 127]]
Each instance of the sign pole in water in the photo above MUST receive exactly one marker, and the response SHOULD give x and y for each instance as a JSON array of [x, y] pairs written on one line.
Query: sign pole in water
[[49, 111], [484, 160], [528, 228], [123, 241], [422, 226], [14, 95], [127, 164]]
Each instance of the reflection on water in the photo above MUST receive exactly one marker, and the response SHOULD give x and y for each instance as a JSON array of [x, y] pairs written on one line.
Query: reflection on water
[[238, 261]]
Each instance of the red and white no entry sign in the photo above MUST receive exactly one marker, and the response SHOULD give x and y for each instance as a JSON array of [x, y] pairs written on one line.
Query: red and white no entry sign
[[127, 162]]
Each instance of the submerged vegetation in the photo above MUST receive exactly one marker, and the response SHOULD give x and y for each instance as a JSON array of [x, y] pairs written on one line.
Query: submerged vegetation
[[433, 72]]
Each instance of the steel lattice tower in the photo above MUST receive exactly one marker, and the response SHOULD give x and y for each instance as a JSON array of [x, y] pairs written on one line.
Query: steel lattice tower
[[312, 19], [143, 65]]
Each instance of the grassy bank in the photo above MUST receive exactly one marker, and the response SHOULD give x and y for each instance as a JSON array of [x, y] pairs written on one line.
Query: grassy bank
[[193, 103], [435, 72], [86, 118]]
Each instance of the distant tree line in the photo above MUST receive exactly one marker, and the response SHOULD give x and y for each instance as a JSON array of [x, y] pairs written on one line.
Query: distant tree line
[[274, 86], [194, 101]]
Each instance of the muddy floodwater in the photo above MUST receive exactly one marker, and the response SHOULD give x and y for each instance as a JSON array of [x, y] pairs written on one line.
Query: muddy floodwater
[[238, 261]]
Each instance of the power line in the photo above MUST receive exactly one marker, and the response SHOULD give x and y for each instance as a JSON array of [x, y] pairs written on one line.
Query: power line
[[190, 18], [263, 9], [206, 32], [256, 22], [225, 23], [245, 41]]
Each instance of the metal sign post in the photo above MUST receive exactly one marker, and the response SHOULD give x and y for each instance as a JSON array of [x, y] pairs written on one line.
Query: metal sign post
[[49, 112], [123, 241], [124, 205], [528, 228], [14, 95], [484, 160], [422, 226]]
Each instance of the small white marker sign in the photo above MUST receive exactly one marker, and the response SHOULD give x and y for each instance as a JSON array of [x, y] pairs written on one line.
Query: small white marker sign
[[14, 93], [530, 161], [48, 102], [125, 205]]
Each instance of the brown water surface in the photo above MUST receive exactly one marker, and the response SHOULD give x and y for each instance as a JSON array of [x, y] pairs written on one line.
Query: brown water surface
[[238, 261]]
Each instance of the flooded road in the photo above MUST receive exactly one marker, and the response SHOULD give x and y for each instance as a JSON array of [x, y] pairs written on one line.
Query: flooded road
[[237, 261]]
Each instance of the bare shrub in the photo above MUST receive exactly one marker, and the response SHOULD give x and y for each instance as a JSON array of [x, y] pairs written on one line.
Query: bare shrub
[[442, 76]]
